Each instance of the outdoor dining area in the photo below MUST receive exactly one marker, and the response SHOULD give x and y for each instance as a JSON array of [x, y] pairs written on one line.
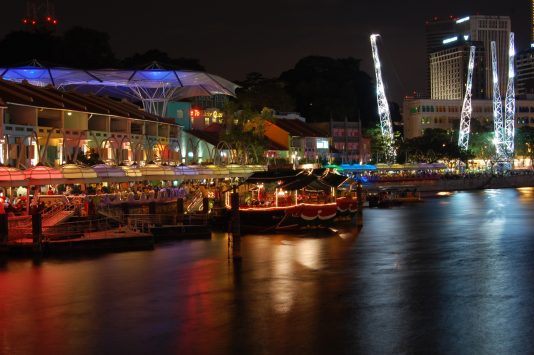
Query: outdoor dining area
[[114, 184]]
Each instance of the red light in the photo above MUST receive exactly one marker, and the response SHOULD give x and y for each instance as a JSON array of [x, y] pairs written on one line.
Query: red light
[[54, 22], [48, 19], [195, 113], [25, 21], [34, 22]]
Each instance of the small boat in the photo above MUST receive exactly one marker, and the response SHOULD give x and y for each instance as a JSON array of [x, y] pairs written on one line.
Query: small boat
[[393, 196]]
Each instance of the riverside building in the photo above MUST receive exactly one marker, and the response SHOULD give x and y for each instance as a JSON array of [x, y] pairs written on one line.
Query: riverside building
[[421, 114]]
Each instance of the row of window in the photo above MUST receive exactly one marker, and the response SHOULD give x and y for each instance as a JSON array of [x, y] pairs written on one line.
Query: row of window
[[487, 109]]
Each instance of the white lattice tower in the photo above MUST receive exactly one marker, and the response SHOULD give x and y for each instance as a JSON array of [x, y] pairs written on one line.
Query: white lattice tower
[[383, 108], [509, 103], [465, 118], [498, 124]]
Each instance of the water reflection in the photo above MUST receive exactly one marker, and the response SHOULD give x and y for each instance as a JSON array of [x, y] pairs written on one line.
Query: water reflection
[[451, 275]]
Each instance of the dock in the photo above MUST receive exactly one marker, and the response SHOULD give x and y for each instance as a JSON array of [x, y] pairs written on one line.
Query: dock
[[102, 241]]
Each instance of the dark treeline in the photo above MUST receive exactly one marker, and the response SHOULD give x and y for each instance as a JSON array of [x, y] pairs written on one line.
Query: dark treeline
[[320, 88]]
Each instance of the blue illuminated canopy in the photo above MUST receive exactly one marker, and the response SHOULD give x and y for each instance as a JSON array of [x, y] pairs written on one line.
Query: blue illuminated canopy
[[154, 86]]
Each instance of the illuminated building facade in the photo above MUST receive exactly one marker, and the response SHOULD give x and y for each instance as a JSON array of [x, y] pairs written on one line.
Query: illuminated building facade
[[486, 29], [52, 127], [436, 29], [421, 114], [448, 71]]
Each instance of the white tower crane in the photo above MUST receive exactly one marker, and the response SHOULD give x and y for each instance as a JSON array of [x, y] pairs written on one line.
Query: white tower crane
[[498, 124], [383, 108], [509, 106], [465, 118]]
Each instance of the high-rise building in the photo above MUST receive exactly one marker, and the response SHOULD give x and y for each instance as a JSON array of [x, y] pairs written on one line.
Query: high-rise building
[[436, 29], [486, 29], [448, 70], [524, 69], [478, 29]]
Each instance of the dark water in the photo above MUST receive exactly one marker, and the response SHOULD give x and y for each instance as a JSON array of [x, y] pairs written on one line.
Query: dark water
[[453, 275]]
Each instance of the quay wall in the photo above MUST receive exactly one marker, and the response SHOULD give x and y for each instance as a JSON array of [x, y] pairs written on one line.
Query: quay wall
[[459, 184]]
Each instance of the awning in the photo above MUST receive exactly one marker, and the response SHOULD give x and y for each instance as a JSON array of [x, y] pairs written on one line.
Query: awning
[[11, 177], [76, 174], [358, 167], [43, 175], [132, 172], [110, 173], [157, 172]]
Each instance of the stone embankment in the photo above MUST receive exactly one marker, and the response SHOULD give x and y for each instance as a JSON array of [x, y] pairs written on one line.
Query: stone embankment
[[461, 183]]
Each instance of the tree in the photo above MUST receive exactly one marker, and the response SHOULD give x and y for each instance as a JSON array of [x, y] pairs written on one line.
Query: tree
[[20, 47], [142, 60], [524, 142], [435, 144], [258, 92], [325, 88], [87, 48], [380, 144]]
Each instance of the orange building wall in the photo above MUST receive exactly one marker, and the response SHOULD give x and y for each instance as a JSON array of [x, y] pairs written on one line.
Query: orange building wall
[[277, 134]]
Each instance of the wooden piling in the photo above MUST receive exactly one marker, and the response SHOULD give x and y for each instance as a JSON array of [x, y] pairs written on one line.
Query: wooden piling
[[180, 209], [37, 232], [205, 205], [3, 228], [359, 197], [235, 226]]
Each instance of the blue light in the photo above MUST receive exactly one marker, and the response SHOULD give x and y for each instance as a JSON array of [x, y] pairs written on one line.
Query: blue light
[[155, 74], [33, 73]]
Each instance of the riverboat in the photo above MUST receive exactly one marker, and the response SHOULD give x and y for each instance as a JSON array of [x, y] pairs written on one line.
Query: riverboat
[[294, 201]]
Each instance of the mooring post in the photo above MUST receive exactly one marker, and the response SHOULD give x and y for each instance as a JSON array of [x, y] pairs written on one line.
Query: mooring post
[[359, 212], [236, 225], [180, 210], [37, 231], [205, 205], [3, 228]]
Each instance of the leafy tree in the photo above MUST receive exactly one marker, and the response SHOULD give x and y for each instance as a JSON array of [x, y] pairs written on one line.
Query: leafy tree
[[142, 60], [87, 48], [524, 142], [19, 47], [435, 144], [258, 92], [325, 88], [379, 144]]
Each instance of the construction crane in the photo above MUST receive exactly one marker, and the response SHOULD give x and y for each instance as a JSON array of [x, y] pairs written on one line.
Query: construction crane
[[509, 103], [465, 118], [386, 126], [498, 124]]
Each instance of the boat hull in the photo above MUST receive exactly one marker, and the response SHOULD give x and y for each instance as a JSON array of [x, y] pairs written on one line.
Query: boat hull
[[287, 218]]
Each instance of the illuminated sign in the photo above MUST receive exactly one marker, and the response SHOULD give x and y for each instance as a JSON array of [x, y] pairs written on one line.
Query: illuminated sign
[[213, 114], [462, 19], [195, 113]]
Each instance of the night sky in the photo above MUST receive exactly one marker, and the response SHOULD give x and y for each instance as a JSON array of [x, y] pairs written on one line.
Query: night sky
[[232, 38]]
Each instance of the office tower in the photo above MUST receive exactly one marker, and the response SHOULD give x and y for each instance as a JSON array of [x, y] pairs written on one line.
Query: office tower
[[436, 29], [448, 70]]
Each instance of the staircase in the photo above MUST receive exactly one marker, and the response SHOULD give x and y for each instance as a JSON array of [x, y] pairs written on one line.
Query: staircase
[[56, 218]]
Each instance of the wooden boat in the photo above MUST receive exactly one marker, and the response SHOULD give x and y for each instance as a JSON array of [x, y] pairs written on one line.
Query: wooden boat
[[295, 217]]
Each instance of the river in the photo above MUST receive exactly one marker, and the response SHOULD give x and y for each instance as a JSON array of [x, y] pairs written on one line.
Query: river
[[452, 275]]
